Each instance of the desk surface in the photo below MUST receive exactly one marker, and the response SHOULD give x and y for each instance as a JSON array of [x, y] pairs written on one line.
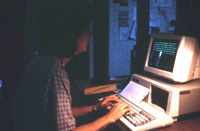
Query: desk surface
[[190, 124], [186, 123]]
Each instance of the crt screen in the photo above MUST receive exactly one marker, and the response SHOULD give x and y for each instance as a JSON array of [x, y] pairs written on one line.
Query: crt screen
[[163, 53], [159, 97]]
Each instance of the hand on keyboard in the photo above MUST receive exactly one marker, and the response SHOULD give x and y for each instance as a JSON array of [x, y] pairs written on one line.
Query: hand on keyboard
[[107, 101], [117, 111]]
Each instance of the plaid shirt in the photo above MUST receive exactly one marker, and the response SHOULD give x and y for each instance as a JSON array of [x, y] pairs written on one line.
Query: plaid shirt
[[43, 100]]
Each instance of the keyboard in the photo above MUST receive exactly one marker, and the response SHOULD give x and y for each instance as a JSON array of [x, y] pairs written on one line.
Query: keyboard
[[143, 116]]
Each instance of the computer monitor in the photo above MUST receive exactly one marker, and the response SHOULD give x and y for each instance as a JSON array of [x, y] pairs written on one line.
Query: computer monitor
[[172, 56]]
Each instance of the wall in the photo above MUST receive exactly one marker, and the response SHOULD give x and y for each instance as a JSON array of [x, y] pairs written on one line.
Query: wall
[[122, 21], [161, 14]]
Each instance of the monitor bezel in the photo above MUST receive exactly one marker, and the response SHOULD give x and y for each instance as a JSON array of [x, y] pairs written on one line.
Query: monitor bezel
[[156, 71], [187, 47]]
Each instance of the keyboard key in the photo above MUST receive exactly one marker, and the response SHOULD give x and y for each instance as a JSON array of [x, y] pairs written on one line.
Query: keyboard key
[[138, 123]]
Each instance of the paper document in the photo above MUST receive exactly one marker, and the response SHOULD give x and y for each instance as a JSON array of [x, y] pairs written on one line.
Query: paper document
[[135, 92]]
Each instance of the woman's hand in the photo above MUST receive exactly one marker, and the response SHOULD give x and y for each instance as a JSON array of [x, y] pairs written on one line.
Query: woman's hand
[[117, 111], [106, 102], [114, 114]]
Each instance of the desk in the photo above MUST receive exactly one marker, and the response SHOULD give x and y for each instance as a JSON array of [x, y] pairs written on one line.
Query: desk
[[186, 123]]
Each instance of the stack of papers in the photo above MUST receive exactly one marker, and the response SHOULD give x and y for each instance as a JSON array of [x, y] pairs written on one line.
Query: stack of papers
[[135, 92]]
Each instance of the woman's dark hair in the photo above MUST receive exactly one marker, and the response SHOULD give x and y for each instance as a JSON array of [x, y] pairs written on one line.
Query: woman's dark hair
[[60, 24]]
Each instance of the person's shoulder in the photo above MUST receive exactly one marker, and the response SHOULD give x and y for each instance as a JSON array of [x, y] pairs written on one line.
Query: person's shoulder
[[45, 64], [51, 65]]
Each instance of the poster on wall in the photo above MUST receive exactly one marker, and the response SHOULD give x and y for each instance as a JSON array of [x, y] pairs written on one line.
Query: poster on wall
[[162, 3], [123, 33], [123, 20], [133, 31]]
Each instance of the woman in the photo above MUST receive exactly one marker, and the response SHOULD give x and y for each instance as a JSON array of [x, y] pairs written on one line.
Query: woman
[[43, 100]]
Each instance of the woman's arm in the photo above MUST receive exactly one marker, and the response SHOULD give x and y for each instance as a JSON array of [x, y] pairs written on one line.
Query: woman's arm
[[96, 125], [81, 111], [114, 114]]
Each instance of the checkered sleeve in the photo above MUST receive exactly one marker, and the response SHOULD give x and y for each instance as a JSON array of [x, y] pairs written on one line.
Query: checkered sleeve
[[62, 98]]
